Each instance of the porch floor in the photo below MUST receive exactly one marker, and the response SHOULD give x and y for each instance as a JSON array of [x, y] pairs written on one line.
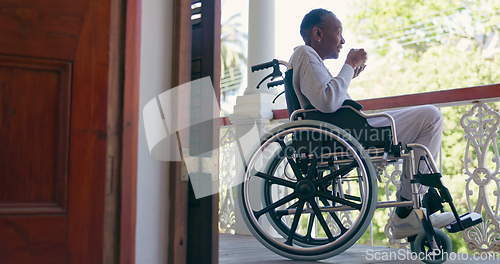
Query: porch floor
[[241, 249]]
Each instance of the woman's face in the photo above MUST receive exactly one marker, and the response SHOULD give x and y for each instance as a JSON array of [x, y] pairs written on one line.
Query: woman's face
[[327, 38]]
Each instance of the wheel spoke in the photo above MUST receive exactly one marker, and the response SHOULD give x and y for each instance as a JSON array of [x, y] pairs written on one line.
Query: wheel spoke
[[275, 205], [310, 225], [295, 223], [295, 168], [339, 200], [343, 229], [352, 197], [281, 213], [275, 180], [312, 171], [321, 220], [291, 162], [340, 172], [293, 205]]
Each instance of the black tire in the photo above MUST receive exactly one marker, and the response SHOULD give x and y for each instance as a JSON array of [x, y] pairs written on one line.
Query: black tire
[[421, 246]]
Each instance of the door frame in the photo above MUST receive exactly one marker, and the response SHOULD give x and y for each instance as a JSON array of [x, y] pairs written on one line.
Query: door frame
[[178, 188], [130, 131], [203, 247], [203, 213]]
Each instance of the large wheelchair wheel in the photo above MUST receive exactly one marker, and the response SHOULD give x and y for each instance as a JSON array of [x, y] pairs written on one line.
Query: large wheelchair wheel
[[309, 191]]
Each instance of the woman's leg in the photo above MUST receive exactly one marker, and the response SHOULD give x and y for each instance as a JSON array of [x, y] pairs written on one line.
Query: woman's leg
[[419, 124]]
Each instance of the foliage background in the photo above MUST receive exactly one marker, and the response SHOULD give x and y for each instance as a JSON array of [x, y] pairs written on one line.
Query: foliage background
[[425, 46]]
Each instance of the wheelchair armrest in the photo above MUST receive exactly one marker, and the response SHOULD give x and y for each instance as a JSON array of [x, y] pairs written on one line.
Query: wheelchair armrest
[[347, 103], [356, 107], [353, 103], [295, 113], [392, 122]]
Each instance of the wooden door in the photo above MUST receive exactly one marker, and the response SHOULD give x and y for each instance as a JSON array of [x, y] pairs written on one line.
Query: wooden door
[[59, 64]]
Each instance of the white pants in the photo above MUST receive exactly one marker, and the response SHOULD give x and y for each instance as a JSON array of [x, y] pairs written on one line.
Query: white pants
[[419, 124]]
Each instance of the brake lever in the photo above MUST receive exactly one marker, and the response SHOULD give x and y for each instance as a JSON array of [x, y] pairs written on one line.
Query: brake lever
[[274, 100]]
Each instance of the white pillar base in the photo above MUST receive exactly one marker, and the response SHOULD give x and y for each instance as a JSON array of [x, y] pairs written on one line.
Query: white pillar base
[[253, 107], [251, 110]]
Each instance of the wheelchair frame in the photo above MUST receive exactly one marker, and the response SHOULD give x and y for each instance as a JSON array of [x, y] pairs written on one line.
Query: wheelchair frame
[[409, 152], [432, 201], [415, 194]]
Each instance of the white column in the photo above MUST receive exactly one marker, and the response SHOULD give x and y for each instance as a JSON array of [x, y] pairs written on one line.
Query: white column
[[260, 41], [255, 105]]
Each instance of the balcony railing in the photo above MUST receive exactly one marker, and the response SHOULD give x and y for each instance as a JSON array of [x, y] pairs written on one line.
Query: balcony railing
[[479, 122]]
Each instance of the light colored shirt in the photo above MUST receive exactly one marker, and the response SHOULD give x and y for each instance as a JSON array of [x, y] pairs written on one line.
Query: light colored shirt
[[314, 84]]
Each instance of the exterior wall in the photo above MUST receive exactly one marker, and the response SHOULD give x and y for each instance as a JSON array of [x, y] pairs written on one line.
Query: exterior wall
[[152, 179]]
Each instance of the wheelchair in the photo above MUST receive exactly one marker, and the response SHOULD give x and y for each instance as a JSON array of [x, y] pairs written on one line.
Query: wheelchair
[[310, 189]]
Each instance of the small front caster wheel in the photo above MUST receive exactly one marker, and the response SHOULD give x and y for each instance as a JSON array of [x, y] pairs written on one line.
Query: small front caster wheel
[[423, 248]]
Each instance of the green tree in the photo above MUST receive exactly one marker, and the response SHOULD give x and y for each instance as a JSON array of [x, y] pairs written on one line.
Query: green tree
[[418, 46], [233, 42]]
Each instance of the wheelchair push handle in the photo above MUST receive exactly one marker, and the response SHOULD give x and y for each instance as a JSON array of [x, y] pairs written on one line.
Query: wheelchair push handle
[[265, 65]]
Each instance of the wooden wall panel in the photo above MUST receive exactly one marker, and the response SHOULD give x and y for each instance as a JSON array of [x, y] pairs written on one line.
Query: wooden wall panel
[[39, 26], [23, 240], [34, 116]]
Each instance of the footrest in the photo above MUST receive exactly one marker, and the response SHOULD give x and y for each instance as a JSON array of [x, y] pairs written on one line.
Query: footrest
[[467, 220]]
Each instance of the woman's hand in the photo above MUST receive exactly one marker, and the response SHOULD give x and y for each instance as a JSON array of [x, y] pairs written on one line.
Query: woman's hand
[[356, 58], [358, 70]]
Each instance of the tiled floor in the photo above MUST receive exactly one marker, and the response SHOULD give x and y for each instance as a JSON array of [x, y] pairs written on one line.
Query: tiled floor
[[247, 250]]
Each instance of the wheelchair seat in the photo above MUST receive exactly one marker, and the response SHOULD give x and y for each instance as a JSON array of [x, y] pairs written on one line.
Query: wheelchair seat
[[347, 118]]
